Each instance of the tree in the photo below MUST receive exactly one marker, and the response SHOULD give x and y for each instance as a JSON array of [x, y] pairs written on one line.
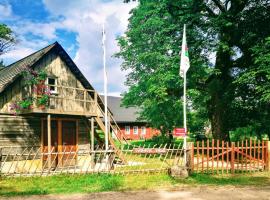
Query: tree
[[227, 29], [254, 98], [2, 64], [151, 51], [7, 38]]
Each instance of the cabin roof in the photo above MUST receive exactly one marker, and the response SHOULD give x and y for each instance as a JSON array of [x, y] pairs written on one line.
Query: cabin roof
[[10, 73], [14, 70], [121, 113]]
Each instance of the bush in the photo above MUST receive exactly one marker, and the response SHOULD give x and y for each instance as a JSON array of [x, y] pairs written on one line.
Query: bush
[[246, 133]]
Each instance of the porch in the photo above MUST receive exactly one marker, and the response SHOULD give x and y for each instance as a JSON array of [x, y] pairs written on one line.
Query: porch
[[64, 100]]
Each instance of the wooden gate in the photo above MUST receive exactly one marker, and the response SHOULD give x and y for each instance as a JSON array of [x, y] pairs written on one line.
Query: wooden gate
[[224, 157]]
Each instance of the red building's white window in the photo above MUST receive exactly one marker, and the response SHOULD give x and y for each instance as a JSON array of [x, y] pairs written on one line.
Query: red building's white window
[[127, 130], [135, 130], [143, 128]]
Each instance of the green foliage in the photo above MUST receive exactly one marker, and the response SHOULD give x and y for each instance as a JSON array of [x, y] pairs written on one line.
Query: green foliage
[[43, 100], [32, 77], [36, 80], [151, 51], [26, 103], [230, 30], [7, 38]]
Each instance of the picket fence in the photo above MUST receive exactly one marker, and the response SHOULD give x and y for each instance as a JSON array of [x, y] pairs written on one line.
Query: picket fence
[[29, 161], [229, 157]]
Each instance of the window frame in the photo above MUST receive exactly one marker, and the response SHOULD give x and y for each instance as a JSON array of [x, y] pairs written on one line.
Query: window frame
[[135, 127], [127, 128], [143, 132], [55, 91]]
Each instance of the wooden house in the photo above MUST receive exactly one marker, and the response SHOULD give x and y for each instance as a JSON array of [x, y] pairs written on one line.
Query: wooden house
[[73, 112]]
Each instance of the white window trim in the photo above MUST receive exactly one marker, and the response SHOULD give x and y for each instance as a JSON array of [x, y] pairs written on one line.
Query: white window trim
[[127, 128], [55, 88], [143, 130], [137, 128]]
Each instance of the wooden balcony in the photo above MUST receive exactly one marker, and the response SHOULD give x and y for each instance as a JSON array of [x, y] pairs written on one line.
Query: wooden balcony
[[67, 100]]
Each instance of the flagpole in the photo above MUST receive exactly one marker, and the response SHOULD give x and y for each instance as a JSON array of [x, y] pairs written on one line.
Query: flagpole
[[184, 65], [185, 119], [105, 90]]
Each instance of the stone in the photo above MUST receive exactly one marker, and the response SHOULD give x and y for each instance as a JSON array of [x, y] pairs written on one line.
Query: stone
[[178, 172]]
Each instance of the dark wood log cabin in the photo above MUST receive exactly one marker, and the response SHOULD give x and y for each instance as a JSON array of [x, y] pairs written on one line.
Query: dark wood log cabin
[[74, 106]]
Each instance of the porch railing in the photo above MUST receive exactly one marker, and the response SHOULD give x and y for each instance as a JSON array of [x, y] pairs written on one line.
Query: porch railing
[[66, 100]]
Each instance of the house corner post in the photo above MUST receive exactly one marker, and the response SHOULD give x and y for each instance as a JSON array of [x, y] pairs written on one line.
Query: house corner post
[[49, 140]]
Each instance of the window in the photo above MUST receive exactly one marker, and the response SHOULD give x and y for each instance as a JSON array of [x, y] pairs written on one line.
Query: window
[[135, 130], [52, 85], [143, 130], [127, 130]]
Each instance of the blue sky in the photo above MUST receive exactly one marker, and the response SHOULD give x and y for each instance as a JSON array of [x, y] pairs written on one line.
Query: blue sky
[[77, 26]]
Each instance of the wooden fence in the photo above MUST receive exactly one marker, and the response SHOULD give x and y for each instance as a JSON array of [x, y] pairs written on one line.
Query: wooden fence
[[229, 157], [29, 161]]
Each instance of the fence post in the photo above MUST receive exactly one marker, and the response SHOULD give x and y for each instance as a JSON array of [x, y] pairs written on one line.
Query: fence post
[[190, 157], [0, 160], [232, 158], [267, 160]]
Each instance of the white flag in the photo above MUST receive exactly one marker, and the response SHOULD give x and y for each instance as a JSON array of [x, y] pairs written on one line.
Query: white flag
[[184, 64]]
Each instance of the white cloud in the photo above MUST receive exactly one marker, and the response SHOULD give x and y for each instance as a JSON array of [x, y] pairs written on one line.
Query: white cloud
[[16, 54], [46, 31], [22, 49], [85, 17], [5, 11]]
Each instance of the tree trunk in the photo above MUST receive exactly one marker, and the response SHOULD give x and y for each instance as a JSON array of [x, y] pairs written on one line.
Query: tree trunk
[[218, 119], [219, 86]]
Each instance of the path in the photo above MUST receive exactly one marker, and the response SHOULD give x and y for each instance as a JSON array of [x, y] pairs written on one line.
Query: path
[[186, 193]]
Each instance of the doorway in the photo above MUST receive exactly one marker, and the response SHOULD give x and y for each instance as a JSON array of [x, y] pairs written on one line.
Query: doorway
[[64, 142]]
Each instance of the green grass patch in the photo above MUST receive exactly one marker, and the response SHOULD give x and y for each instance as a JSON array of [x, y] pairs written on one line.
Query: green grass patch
[[253, 179], [81, 184], [67, 184]]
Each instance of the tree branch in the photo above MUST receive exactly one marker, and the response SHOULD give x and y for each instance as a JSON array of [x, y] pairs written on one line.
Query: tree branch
[[210, 11], [219, 5]]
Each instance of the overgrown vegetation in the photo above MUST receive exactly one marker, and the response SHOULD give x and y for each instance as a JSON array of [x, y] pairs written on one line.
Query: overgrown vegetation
[[228, 80], [66, 184], [36, 81]]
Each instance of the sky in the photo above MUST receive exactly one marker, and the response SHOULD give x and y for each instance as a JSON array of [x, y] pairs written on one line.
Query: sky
[[77, 26]]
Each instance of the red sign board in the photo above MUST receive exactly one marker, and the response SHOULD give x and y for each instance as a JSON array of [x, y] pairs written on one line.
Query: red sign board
[[179, 132]]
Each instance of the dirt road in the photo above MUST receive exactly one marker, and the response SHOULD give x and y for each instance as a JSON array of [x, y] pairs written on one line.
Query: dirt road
[[186, 193]]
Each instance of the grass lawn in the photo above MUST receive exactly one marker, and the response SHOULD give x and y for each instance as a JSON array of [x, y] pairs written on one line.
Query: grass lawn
[[66, 184]]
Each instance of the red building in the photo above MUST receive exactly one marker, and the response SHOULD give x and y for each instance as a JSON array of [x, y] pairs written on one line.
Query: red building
[[127, 120]]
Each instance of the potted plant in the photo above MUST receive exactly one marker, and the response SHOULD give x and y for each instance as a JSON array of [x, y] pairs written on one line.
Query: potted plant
[[43, 101]]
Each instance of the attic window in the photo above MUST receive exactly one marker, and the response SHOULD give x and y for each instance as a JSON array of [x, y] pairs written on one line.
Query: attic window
[[52, 82]]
